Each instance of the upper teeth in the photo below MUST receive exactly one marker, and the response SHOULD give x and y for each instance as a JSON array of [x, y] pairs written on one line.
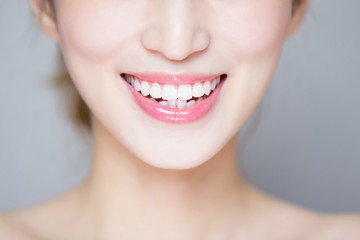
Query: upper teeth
[[173, 92]]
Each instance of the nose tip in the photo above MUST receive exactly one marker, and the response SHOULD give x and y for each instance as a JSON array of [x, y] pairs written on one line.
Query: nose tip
[[175, 30], [176, 44]]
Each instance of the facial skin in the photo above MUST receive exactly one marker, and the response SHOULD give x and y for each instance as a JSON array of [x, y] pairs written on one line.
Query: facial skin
[[125, 195], [100, 39]]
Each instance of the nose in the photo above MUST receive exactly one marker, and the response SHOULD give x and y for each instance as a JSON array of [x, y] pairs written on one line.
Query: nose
[[175, 31]]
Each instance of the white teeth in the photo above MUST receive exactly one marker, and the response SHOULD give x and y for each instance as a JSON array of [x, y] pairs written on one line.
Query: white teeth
[[169, 92], [213, 85], [207, 88], [174, 96], [145, 88], [172, 103], [164, 103], [155, 90], [181, 103], [137, 85], [190, 103], [185, 92], [198, 90]]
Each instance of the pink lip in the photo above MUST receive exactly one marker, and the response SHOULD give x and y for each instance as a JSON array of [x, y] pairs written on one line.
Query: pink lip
[[171, 115], [175, 79]]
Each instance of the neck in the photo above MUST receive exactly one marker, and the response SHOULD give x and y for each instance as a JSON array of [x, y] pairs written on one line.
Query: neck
[[122, 188]]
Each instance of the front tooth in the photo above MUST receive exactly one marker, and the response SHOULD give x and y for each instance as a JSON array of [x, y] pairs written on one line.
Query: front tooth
[[155, 90], [198, 90], [207, 88], [145, 88], [132, 81], [172, 103], [184, 92], [169, 92], [137, 85], [181, 103]]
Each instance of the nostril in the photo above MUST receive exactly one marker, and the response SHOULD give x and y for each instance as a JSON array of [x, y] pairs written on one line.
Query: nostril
[[201, 40], [150, 39], [176, 44], [186, 45]]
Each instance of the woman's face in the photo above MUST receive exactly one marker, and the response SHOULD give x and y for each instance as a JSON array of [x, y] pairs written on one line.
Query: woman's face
[[174, 50]]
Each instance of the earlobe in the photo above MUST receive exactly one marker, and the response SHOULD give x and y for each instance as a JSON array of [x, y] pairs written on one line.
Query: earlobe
[[297, 16], [45, 17]]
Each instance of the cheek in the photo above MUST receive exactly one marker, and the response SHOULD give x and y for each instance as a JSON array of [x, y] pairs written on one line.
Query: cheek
[[255, 30], [96, 29]]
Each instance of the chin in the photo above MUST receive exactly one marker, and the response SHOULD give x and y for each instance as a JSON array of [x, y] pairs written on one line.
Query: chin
[[177, 161], [176, 156]]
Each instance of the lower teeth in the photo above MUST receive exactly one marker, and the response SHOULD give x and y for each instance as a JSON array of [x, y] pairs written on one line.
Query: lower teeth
[[177, 103]]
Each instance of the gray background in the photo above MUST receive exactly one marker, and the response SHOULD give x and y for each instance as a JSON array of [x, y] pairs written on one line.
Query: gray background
[[302, 145]]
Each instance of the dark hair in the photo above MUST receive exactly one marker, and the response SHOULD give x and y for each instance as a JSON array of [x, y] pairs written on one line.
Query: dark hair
[[77, 108]]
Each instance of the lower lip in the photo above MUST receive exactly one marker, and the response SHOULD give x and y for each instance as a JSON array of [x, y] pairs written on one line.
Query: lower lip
[[171, 115]]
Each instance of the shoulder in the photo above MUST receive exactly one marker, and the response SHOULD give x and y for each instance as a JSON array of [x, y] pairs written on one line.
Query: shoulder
[[317, 226], [25, 224], [301, 223], [10, 231], [37, 221], [338, 227]]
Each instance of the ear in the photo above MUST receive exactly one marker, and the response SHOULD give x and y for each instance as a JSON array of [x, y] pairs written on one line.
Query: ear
[[299, 11], [45, 17]]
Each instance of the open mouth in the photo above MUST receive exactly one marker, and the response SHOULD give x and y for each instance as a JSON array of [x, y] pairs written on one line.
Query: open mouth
[[174, 98]]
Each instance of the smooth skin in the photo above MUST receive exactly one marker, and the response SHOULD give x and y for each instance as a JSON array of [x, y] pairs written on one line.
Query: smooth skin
[[189, 188]]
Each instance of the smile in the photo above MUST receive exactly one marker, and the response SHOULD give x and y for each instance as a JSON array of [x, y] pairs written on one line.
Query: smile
[[175, 98]]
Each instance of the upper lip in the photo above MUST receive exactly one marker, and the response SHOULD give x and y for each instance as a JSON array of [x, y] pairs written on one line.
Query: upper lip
[[175, 79]]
